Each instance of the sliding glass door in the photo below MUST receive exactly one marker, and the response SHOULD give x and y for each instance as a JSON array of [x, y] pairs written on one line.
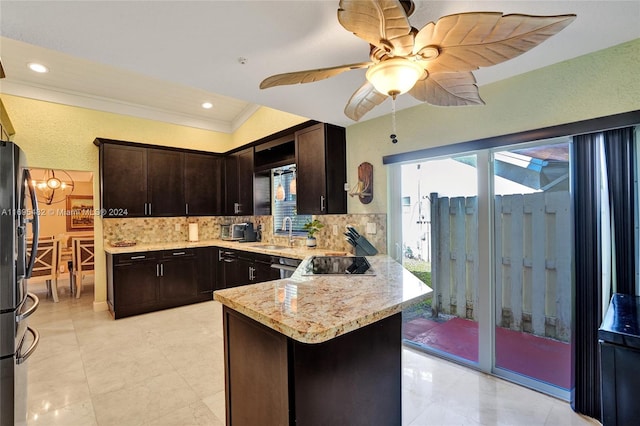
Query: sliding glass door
[[532, 239], [440, 245], [491, 234]]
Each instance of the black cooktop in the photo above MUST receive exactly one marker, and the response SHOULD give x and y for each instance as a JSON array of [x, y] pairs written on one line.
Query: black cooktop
[[338, 265]]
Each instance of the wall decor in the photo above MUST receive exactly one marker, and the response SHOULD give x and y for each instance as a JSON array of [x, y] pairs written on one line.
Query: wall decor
[[80, 213], [364, 188]]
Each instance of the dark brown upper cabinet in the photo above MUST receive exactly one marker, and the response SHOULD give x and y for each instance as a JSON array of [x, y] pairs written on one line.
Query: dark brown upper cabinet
[[123, 180], [139, 181], [321, 169], [165, 183], [203, 184], [239, 183]]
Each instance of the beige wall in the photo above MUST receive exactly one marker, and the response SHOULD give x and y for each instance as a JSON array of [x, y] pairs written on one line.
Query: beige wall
[[264, 122], [600, 84]]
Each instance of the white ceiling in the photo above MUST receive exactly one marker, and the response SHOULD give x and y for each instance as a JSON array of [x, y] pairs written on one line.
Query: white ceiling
[[162, 59]]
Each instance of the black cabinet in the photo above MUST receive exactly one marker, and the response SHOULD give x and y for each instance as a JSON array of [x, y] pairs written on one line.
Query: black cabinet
[[321, 170], [141, 181], [165, 183], [207, 270], [354, 378], [203, 184], [123, 180], [239, 183], [619, 341], [150, 281], [132, 283], [242, 268], [178, 279]]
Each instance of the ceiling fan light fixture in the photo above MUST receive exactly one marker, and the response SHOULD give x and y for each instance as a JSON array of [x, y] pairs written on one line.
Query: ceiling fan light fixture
[[394, 76]]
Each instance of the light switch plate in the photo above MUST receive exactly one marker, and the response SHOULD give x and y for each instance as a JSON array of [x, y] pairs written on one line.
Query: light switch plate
[[371, 228]]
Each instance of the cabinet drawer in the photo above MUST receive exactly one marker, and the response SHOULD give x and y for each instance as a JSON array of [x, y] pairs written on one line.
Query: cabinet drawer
[[135, 257], [172, 254]]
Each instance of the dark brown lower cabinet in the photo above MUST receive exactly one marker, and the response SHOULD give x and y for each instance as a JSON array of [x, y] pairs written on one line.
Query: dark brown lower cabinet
[[271, 379], [149, 281], [243, 268]]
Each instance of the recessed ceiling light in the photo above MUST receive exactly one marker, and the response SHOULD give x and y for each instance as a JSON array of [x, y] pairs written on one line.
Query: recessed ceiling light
[[33, 66], [207, 105]]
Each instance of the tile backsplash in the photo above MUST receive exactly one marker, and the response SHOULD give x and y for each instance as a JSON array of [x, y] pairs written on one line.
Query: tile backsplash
[[170, 229]]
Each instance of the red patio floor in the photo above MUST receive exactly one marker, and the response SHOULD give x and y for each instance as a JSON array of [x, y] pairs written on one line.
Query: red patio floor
[[537, 357]]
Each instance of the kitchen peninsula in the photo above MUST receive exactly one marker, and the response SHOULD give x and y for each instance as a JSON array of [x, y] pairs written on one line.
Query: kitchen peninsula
[[318, 349]]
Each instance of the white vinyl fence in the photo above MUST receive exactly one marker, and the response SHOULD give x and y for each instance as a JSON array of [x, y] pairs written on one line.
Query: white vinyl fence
[[532, 250]]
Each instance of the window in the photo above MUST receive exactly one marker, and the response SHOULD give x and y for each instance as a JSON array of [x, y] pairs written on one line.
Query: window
[[283, 177]]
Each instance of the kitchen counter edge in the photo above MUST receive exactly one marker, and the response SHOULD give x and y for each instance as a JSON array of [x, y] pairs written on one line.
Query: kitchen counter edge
[[254, 247], [327, 306]]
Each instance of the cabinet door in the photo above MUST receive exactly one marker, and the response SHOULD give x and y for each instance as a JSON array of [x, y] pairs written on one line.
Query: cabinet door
[[231, 192], [206, 262], [165, 173], [135, 287], [243, 272], [124, 180], [321, 170], [311, 173], [232, 270], [239, 183], [245, 181], [264, 272], [179, 277], [203, 179]]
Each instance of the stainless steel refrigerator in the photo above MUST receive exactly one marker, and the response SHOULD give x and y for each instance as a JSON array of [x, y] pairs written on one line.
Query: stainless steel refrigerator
[[18, 210]]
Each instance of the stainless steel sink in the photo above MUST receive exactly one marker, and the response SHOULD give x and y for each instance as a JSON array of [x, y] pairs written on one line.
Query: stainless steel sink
[[270, 247]]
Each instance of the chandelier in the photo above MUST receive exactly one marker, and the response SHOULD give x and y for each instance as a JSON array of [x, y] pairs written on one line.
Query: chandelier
[[53, 188]]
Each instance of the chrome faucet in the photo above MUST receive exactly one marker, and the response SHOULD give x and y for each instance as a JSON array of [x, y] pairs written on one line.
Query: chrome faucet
[[284, 228]]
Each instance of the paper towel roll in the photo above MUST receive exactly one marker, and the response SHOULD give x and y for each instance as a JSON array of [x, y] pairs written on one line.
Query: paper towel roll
[[193, 232]]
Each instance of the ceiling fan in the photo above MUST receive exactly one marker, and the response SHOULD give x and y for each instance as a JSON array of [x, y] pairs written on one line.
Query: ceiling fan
[[432, 64]]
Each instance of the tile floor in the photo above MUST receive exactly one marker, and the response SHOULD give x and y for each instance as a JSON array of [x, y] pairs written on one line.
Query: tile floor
[[166, 368]]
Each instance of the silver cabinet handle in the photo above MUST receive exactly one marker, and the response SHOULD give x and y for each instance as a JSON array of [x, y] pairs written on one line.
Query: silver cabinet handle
[[186, 209], [236, 208], [149, 209], [145, 209], [179, 253], [157, 269], [137, 257], [22, 357], [322, 203]]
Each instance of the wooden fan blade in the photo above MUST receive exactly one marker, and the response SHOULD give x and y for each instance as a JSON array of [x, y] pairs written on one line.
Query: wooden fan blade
[[448, 89], [362, 101], [382, 23], [468, 41], [309, 76]]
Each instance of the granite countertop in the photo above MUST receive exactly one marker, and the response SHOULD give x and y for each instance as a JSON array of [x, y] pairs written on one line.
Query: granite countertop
[[315, 309], [255, 247]]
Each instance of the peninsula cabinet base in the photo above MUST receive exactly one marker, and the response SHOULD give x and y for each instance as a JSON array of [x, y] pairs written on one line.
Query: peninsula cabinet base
[[271, 379]]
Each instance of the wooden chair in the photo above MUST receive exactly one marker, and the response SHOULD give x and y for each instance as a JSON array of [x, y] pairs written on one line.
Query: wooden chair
[[45, 267], [83, 261]]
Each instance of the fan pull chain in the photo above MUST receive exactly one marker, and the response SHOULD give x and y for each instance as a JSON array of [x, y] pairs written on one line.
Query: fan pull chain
[[394, 138]]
